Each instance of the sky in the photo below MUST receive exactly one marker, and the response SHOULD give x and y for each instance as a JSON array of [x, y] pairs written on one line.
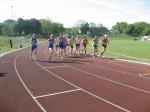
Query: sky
[[68, 12]]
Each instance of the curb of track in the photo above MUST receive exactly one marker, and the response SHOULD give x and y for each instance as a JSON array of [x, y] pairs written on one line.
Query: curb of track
[[3, 54], [8, 52]]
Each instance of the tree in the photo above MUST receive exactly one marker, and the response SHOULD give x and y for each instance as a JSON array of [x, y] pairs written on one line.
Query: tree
[[83, 26], [20, 26], [120, 27], [146, 30], [35, 26], [8, 27], [46, 26], [130, 29], [50, 27], [98, 29], [58, 28]]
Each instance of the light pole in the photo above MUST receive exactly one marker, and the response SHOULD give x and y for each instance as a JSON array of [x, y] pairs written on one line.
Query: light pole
[[12, 20]]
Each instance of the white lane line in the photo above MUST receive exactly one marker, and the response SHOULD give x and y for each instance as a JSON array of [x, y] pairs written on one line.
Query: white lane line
[[25, 86], [6, 61], [102, 99], [59, 93], [127, 73], [109, 80], [56, 67], [128, 56]]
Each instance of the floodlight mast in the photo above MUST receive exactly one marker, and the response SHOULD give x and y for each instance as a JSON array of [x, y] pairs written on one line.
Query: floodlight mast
[[12, 20]]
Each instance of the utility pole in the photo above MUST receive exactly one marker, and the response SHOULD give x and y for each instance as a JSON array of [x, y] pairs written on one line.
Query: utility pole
[[12, 20]]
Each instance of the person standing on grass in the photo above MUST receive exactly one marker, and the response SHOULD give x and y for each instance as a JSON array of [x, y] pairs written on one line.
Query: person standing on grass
[[95, 46], [50, 43], [104, 43], [33, 47], [11, 45]]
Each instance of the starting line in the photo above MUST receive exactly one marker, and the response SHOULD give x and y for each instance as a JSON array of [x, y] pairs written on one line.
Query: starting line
[[58, 93]]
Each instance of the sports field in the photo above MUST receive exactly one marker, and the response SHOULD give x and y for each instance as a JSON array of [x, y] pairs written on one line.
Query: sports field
[[122, 47], [79, 84], [125, 47], [17, 42]]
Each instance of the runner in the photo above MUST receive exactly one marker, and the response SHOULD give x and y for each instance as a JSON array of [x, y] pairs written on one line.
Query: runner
[[95, 46], [33, 47], [61, 45], [78, 42], [104, 43], [56, 42], [50, 43], [65, 44], [84, 44], [71, 42]]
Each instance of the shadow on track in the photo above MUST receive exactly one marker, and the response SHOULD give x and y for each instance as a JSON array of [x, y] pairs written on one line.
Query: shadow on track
[[2, 74]]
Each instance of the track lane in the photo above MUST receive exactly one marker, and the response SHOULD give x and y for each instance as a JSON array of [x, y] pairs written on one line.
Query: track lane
[[121, 67], [13, 96], [52, 102], [130, 65], [37, 80], [78, 101], [121, 77], [93, 95], [107, 90]]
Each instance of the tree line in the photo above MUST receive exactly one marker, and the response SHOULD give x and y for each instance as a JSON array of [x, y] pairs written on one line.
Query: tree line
[[135, 29], [27, 26], [46, 26]]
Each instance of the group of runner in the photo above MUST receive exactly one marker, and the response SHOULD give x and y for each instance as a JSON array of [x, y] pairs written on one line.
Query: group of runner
[[64, 46]]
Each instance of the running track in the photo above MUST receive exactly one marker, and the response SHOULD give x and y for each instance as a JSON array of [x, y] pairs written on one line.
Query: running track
[[80, 84]]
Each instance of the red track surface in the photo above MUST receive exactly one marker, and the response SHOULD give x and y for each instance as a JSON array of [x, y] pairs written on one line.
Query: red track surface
[[80, 84]]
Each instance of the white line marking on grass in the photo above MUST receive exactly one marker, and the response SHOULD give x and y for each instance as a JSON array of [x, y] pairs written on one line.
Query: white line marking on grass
[[144, 74], [130, 66], [128, 56], [109, 80], [14, 50], [134, 62], [56, 67], [106, 101], [39, 105], [132, 58], [59, 93]]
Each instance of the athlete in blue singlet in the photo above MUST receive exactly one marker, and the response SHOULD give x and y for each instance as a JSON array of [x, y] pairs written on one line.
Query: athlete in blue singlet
[[33, 47], [61, 45], [50, 43]]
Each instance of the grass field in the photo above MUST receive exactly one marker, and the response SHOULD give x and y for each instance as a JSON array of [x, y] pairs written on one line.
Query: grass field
[[125, 47], [16, 41], [121, 46]]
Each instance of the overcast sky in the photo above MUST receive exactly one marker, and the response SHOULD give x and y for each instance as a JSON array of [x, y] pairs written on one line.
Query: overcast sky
[[67, 12]]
